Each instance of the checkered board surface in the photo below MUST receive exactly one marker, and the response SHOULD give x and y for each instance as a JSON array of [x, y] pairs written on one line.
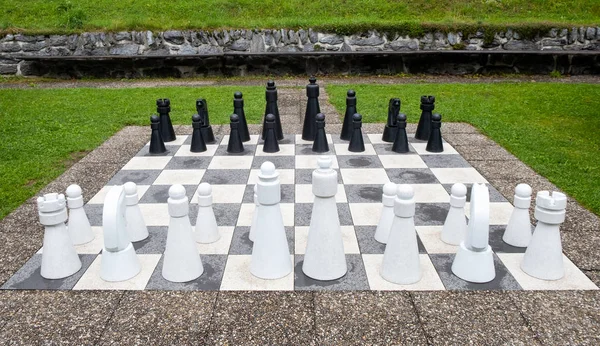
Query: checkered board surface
[[361, 177]]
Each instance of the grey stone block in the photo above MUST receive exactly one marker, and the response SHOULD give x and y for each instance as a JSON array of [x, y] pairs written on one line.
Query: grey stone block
[[174, 36], [372, 40], [33, 47], [240, 45], [125, 49], [8, 69], [313, 36], [10, 47], [257, 44], [331, 39], [123, 35], [520, 45], [590, 33], [57, 40]]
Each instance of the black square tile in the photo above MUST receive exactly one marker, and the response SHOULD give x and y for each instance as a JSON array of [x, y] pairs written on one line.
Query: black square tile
[[225, 213], [359, 161], [249, 150], [386, 149], [303, 212], [368, 245], [155, 243], [242, 245], [411, 176], [364, 193], [287, 139], [498, 245], [160, 193], [226, 176], [445, 161], [140, 177], [94, 213], [304, 176], [210, 280], [280, 162], [189, 162], [431, 214], [355, 278]]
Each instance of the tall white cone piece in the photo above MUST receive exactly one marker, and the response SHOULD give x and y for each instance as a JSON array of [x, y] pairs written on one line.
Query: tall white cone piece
[[59, 258], [518, 230], [206, 224], [270, 252], [119, 260], [251, 234], [324, 258], [401, 263], [136, 226], [543, 258], [382, 233], [181, 261], [455, 226], [78, 224], [474, 261]]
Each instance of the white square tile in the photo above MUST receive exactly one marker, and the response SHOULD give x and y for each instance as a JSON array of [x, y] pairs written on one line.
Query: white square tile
[[179, 140], [91, 278], [364, 176], [429, 282], [574, 279], [430, 193], [253, 140], [284, 150], [231, 162], [310, 161], [420, 149], [458, 175], [299, 140], [155, 214], [227, 193], [237, 277], [348, 239], [147, 162], [93, 247], [180, 176], [402, 161], [431, 237], [342, 149], [304, 194], [376, 138], [365, 214], [246, 214], [499, 212], [286, 176], [221, 246], [184, 150], [287, 212]]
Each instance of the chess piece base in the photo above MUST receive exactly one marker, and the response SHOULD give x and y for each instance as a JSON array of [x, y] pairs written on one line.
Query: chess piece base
[[472, 266], [119, 266]]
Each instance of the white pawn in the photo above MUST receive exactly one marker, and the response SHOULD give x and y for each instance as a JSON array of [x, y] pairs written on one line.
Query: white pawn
[[119, 261], [543, 258], [401, 264], [254, 215], [518, 230], [382, 233], [136, 226], [455, 226], [59, 258], [206, 224], [270, 252], [324, 258], [78, 224], [181, 261]]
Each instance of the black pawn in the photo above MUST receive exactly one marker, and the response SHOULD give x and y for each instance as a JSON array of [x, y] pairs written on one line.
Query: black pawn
[[271, 108], [235, 144], [238, 108], [163, 107], [270, 145], [350, 111], [389, 133], [424, 127], [320, 144], [434, 144], [206, 129], [198, 144], [309, 128], [357, 145], [157, 146], [401, 143]]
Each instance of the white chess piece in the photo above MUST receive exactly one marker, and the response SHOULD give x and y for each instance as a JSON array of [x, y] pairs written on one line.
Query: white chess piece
[[136, 226], [474, 260], [455, 226], [518, 230], [382, 233], [324, 258], [207, 230], [270, 252], [59, 258], [119, 261], [78, 224], [543, 258], [254, 215], [181, 261], [401, 263]]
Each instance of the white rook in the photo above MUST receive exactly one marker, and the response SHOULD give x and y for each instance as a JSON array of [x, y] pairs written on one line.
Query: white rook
[[518, 230], [455, 226], [136, 226], [78, 224], [382, 233], [207, 230]]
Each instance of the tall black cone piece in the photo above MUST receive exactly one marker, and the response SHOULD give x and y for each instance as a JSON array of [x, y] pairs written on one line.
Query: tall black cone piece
[[357, 144], [235, 144], [424, 127], [434, 144], [198, 144], [320, 144], [238, 108], [157, 146], [309, 129], [163, 107], [207, 132], [401, 143], [350, 111], [271, 108], [270, 145], [389, 133]]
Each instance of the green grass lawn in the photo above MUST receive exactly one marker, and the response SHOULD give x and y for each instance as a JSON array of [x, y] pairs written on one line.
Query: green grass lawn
[[74, 15], [551, 127]]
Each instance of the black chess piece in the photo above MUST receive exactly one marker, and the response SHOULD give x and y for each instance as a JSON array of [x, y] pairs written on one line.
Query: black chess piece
[[270, 145], [401, 142], [309, 128], [238, 108], [320, 144], [157, 146], [434, 144], [206, 129], [271, 108], [389, 133], [357, 144], [424, 126], [163, 107], [198, 144], [235, 144], [350, 111]]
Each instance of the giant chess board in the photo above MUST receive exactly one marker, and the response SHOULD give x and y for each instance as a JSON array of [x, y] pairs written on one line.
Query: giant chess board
[[361, 177]]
